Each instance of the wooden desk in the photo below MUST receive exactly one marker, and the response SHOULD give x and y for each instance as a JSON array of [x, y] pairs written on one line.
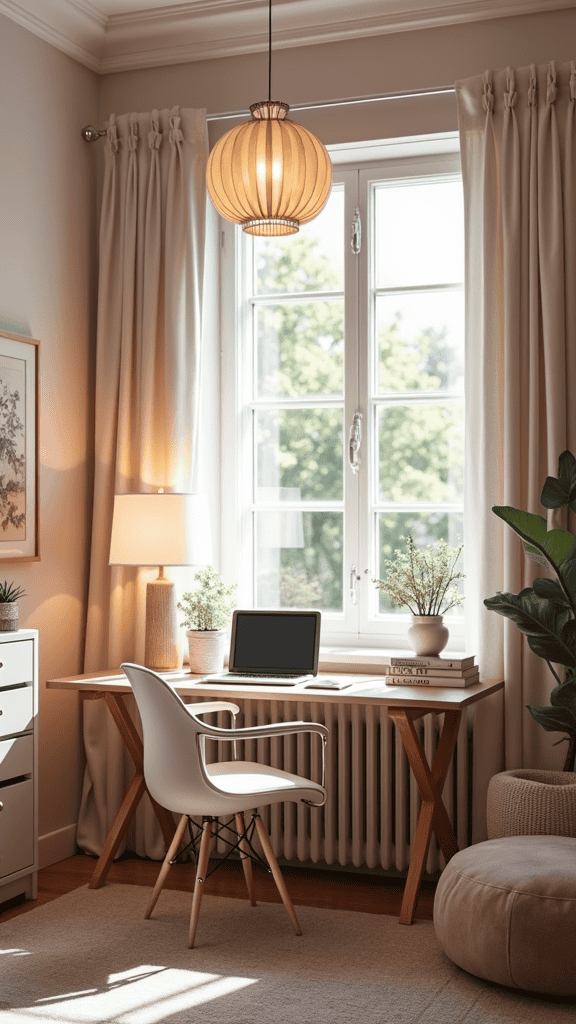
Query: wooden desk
[[405, 704]]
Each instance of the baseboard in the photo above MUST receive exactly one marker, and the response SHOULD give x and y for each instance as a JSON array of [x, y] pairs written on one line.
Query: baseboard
[[56, 846]]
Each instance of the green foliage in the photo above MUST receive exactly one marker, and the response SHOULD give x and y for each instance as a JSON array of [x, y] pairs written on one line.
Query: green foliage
[[300, 351], [546, 612], [207, 607], [9, 592]]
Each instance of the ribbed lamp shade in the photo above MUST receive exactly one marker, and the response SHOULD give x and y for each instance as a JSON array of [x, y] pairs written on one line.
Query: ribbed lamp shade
[[270, 175], [160, 529]]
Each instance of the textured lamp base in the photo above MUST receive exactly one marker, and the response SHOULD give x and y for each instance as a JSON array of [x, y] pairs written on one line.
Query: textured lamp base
[[162, 651]]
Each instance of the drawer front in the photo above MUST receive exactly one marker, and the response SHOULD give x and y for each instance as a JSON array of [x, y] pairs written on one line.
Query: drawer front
[[16, 710], [16, 662], [16, 827], [16, 757]]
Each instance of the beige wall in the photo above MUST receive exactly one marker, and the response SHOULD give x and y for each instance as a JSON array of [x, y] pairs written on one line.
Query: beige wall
[[47, 252], [360, 67]]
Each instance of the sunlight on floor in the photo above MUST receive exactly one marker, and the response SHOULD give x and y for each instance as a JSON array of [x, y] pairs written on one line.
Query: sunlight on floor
[[142, 995]]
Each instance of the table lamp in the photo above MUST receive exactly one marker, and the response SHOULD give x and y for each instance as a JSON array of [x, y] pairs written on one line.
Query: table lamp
[[161, 529]]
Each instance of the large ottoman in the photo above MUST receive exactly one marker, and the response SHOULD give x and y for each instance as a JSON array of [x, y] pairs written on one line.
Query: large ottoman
[[505, 910]]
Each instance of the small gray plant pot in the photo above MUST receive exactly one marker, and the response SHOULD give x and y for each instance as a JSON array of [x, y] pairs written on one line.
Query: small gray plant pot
[[8, 616]]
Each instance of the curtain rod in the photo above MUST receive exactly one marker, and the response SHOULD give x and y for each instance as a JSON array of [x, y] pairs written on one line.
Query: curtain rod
[[90, 134]]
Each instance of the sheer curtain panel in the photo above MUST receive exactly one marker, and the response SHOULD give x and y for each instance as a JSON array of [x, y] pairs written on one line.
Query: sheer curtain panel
[[151, 265], [517, 136]]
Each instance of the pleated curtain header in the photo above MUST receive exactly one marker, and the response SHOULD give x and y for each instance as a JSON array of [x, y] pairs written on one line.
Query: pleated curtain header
[[519, 89]]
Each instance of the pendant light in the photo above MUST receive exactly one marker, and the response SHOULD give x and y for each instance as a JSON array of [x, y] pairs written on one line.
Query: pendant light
[[269, 174]]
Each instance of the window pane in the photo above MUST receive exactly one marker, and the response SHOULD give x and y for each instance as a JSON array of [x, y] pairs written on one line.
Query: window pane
[[312, 260], [419, 233], [301, 448], [394, 528], [420, 341], [421, 452], [299, 559], [300, 349]]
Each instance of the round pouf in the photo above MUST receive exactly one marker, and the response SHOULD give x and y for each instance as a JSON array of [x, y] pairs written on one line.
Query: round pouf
[[505, 910], [530, 802]]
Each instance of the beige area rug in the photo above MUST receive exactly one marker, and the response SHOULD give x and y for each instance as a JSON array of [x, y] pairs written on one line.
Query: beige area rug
[[90, 957]]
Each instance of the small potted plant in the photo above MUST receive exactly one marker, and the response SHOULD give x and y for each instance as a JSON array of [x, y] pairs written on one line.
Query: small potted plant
[[206, 614], [424, 580], [9, 595]]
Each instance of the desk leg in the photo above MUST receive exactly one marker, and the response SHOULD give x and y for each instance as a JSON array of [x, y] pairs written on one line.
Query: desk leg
[[136, 790], [430, 781]]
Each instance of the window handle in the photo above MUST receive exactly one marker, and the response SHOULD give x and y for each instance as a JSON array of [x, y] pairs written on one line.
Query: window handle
[[355, 442], [354, 577], [356, 240]]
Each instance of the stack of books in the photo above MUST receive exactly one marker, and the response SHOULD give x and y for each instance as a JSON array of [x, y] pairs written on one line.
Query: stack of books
[[414, 671]]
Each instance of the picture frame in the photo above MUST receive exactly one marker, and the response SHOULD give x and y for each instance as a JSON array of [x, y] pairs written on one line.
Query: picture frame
[[19, 504]]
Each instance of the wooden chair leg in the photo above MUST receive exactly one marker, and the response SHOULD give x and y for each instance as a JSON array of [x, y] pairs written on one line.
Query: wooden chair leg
[[172, 851], [203, 859], [246, 862], [277, 874]]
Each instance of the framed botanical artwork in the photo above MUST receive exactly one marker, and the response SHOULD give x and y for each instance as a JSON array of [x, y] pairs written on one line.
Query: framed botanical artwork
[[18, 449]]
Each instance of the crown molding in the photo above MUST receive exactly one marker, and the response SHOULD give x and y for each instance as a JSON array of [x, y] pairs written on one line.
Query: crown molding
[[207, 29], [75, 27]]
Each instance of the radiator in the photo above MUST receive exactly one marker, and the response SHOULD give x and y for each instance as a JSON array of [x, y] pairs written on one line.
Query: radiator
[[371, 813]]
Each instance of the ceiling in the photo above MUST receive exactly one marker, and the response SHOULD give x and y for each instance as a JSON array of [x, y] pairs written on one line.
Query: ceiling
[[119, 35]]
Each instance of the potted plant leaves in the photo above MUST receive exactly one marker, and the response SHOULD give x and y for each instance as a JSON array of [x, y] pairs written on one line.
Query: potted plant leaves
[[206, 614], [9, 595], [546, 614]]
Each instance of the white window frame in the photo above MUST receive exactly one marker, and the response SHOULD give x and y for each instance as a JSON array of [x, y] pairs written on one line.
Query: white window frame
[[359, 625]]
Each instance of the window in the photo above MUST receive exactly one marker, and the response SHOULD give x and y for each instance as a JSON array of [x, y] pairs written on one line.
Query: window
[[318, 339]]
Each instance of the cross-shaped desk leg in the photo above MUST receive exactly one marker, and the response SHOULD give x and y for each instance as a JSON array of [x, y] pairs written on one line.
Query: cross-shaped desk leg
[[136, 790], [430, 781]]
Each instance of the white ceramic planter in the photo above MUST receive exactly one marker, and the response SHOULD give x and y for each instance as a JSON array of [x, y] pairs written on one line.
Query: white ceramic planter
[[8, 616], [531, 802], [427, 635], [206, 650]]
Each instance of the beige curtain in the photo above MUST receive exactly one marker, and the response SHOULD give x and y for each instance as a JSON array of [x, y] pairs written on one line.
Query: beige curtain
[[517, 132], [147, 398]]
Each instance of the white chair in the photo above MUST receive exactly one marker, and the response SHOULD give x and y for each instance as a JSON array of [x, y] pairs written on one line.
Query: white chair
[[179, 779]]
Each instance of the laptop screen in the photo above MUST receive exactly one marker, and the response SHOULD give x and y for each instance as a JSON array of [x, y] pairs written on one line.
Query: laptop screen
[[275, 642]]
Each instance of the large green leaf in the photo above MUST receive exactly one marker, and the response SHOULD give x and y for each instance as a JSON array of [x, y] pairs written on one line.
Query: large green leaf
[[554, 719], [564, 695], [551, 590], [561, 491], [555, 549], [547, 625]]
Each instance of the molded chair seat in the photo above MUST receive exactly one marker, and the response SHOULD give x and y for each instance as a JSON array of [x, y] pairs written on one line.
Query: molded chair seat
[[241, 778], [179, 779]]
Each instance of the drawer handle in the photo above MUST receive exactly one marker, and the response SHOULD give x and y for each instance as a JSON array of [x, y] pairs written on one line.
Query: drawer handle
[[1, 806]]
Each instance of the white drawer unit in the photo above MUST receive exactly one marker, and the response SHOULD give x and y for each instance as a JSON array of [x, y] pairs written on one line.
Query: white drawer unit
[[18, 763]]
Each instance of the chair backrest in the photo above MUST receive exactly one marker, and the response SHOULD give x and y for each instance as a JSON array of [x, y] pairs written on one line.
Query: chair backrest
[[172, 765]]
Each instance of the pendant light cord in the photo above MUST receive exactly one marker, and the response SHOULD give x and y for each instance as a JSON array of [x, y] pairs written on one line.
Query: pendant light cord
[[269, 50]]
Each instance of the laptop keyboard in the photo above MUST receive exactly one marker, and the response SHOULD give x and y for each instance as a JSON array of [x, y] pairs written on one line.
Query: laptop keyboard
[[253, 678], [258, 675]]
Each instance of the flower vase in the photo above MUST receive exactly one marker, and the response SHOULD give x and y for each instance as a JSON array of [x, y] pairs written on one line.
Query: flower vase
[[427, 635]]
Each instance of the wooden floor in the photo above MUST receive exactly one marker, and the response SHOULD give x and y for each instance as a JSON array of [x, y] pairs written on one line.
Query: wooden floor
[[337, 890]]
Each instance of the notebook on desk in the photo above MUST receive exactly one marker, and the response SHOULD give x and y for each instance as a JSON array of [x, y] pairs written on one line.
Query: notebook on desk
[[275, 648]]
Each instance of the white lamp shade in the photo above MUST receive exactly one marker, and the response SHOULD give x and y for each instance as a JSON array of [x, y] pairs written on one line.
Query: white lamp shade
[[160, 529]]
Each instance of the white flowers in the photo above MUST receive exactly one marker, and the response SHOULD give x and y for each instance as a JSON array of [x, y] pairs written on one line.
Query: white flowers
[[423, 580]]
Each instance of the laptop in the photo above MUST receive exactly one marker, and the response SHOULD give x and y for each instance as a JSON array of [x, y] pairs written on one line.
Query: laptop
[[276, 648]]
